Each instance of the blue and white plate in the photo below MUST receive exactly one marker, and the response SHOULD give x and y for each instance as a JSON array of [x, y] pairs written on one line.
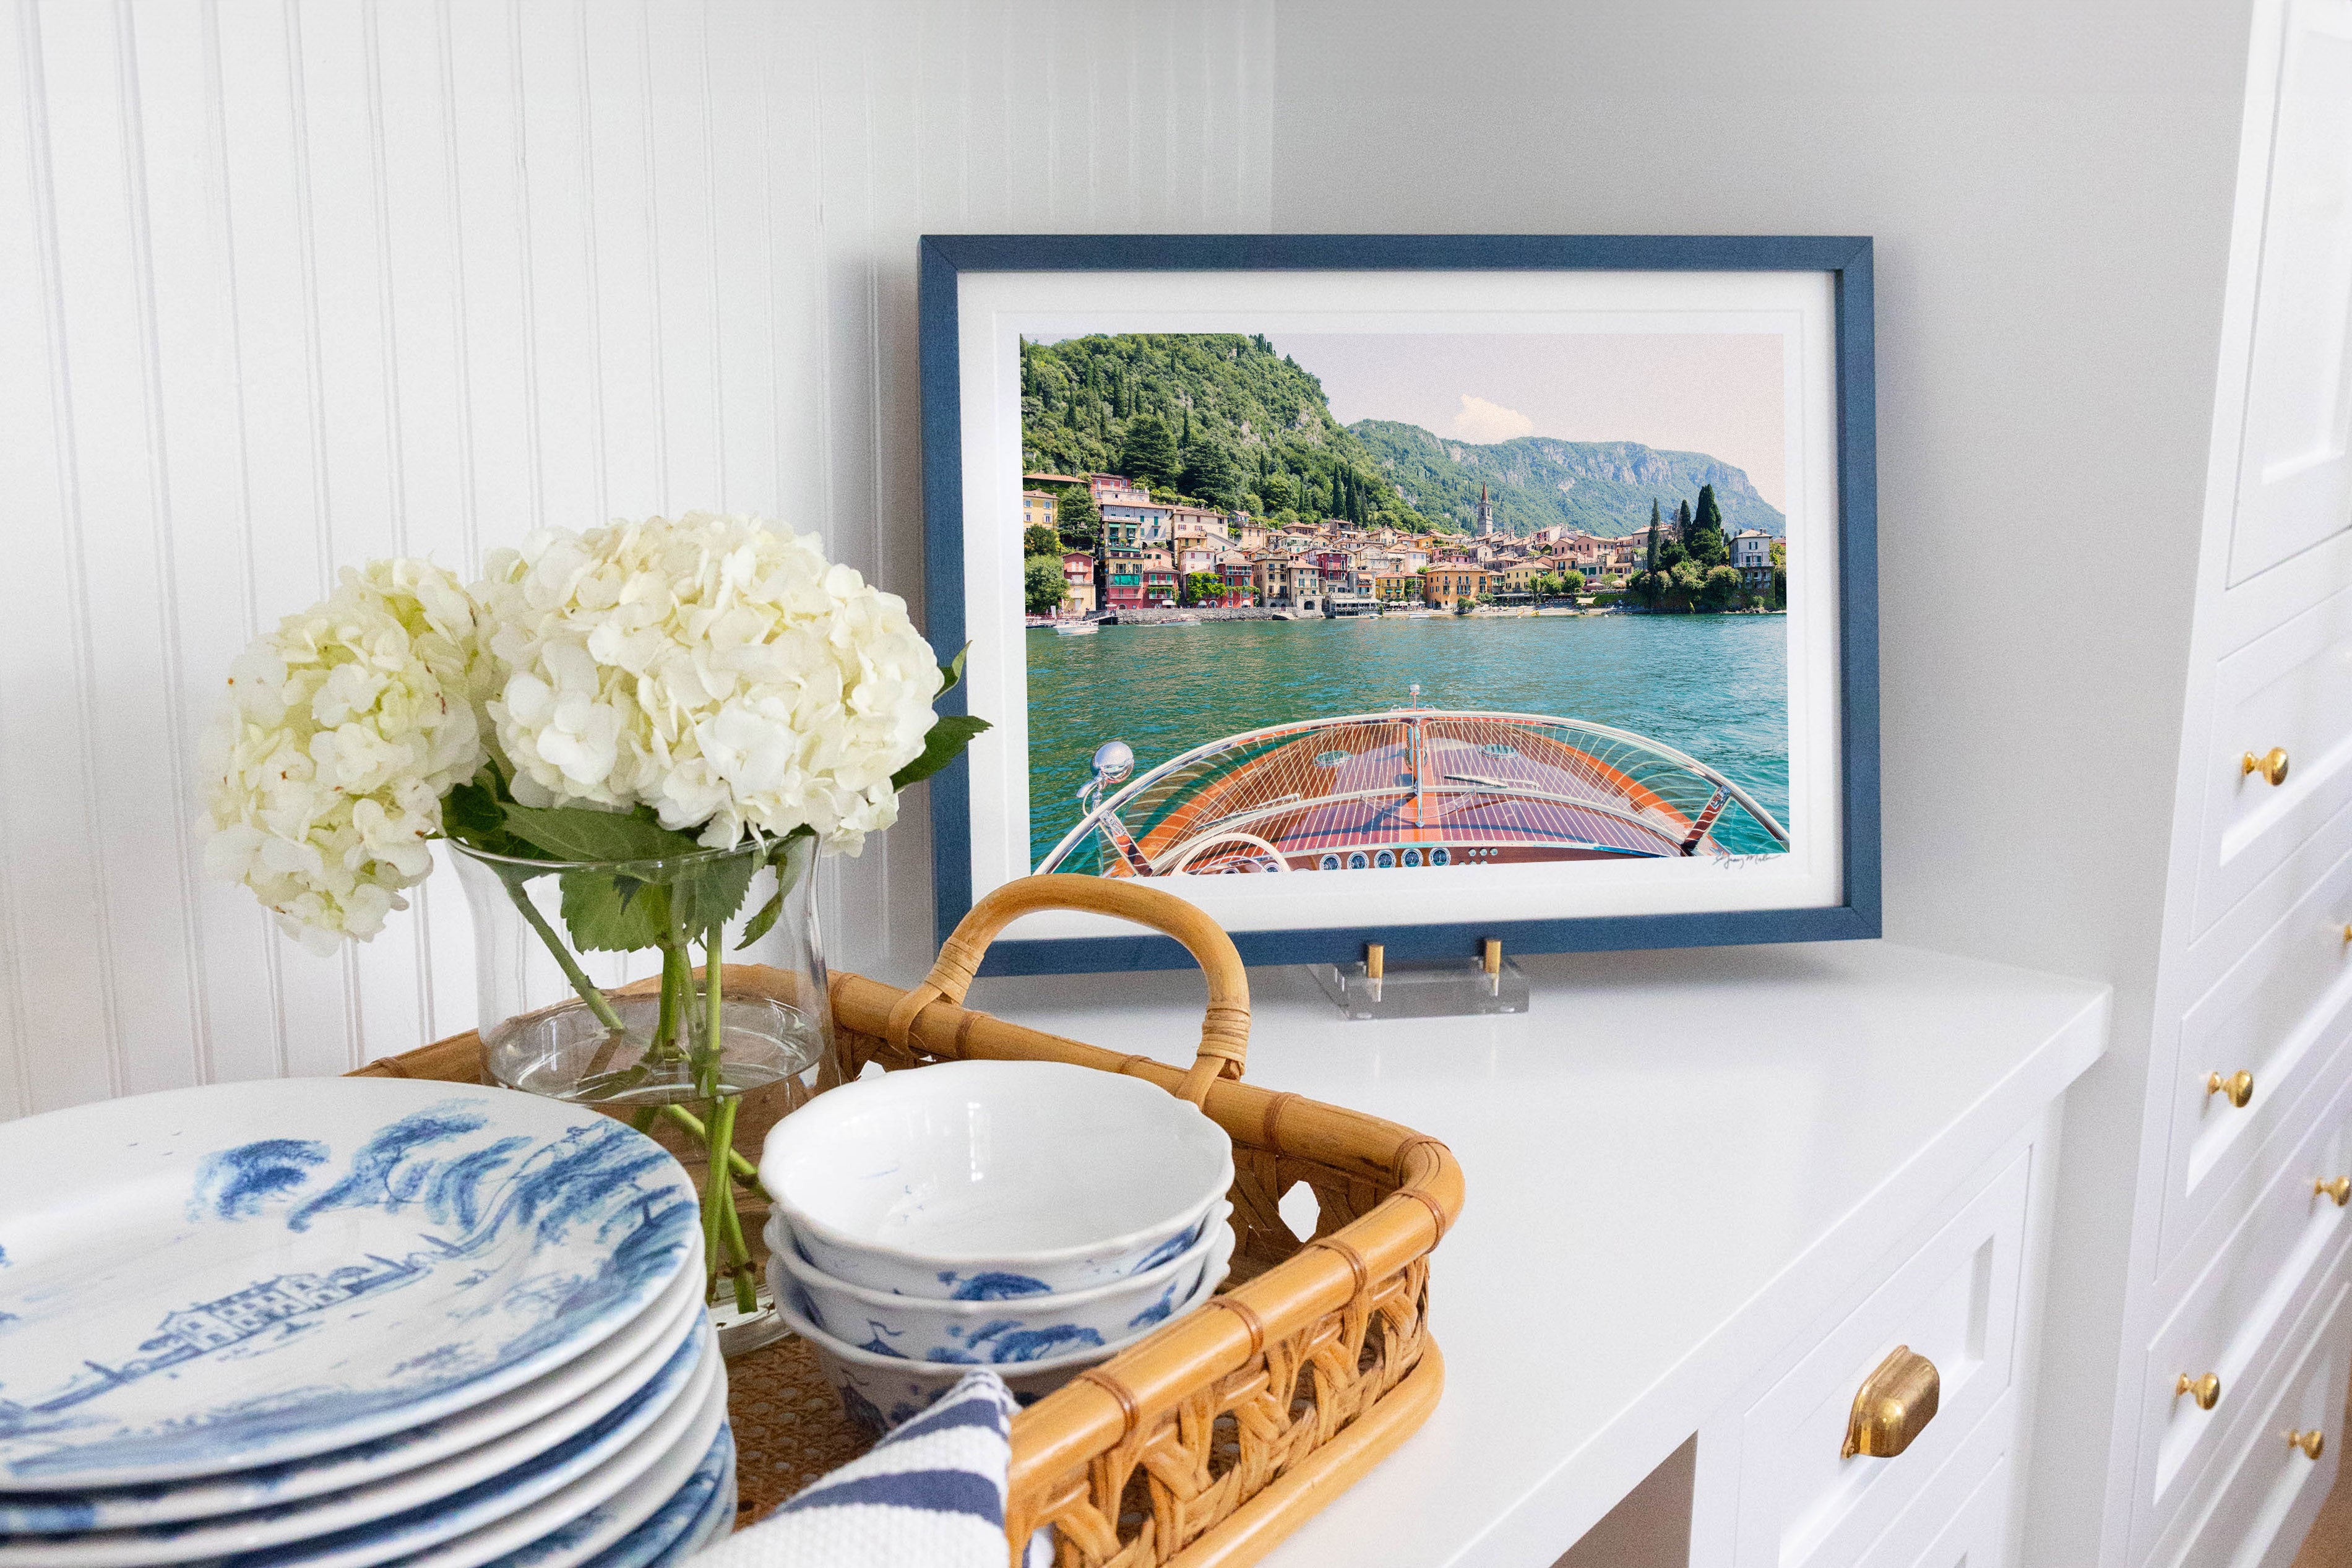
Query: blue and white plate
[[568, 1529], [217, 1279], [490, 1437], [694, 1515], [651, 1467], [404, 1512], [717, 1520]]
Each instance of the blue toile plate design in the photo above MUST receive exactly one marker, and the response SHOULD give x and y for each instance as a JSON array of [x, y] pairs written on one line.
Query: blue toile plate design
[[481, 1440], [217, 1279], [696, 1514], [716, 1523], [569, 1528], [405, 1511]]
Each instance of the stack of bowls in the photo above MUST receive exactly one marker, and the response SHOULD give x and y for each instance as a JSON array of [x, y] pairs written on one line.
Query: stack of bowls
[[328, 1323], [1031, 1217]]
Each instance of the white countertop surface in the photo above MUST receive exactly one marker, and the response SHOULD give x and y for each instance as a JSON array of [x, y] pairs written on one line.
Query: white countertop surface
[[1676, 1162]]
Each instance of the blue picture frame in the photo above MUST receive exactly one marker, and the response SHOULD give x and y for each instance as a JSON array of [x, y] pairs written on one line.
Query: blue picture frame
[[944, 258]]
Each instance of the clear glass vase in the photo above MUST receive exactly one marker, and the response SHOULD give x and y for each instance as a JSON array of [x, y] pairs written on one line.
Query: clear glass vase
[[595, 988]]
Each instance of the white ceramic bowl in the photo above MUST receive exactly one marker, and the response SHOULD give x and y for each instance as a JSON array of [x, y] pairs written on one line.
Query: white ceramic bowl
[[1010, 1329], [968, 1180], [879, 1392]]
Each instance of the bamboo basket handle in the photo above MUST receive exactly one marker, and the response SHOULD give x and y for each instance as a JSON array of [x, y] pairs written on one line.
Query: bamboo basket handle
[[1224, 1033]]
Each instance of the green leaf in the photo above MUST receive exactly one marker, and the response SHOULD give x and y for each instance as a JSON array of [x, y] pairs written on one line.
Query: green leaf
[[581, 833], [709, 894], [761, 924], [952, 672], [942, 745], [471, 814], [471, 808], [606, 913], [791, 861]]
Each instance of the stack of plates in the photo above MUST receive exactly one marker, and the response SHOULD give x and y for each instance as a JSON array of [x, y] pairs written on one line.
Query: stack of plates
[[344, 1322]]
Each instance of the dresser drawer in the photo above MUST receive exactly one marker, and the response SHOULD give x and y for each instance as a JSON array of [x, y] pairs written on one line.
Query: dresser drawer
[[2273, 1490], [1954, 1301], [1975, 1533], [1961, 1518], [1978, 1533], [2277, 1015], [2289, 691], [2232, 1323]]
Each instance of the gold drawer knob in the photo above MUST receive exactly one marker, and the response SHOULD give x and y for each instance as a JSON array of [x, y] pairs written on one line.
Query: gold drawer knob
[[2239, 1086], [2337, 1187], [1892, 1407], [2271, 764], [2313, 1443], [2206, 1390]]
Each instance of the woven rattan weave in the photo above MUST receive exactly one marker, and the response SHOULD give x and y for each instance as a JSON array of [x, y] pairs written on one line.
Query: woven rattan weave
[[1208, 1441]]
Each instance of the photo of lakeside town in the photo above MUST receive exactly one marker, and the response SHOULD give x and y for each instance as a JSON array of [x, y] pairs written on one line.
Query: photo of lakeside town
[[1263, 640]]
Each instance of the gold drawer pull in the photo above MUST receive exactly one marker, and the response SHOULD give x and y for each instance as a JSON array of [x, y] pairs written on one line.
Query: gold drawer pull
[[2239, 1086], [2271, 764], [2313, 1443], [2337, 1187], [1892, 1407], [2206, 1390]]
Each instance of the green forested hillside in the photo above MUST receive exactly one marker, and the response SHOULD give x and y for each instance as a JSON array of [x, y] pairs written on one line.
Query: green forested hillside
[[1216, 418], [1603, 486], [1222, 418]]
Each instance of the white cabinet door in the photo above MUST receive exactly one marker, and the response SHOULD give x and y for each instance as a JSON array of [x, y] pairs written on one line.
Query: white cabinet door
[[2272, 1493], [1803, 1501], [2294, 474]]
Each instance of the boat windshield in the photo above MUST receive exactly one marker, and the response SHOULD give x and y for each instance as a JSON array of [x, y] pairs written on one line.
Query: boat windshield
[[1416, 786]]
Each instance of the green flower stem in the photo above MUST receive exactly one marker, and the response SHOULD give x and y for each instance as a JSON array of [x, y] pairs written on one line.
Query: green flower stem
[[714, 1026], [709, 1070], [719, 1196], [676, 986], [709, 1049], [747, 1282], [570, 966], [741, 1169]]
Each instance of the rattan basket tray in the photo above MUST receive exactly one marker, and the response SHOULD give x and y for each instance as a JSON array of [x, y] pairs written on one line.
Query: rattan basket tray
[[1214, 1437]]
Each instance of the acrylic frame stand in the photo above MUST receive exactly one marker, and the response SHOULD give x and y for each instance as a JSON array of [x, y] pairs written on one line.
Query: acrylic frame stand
[[1445, 988]]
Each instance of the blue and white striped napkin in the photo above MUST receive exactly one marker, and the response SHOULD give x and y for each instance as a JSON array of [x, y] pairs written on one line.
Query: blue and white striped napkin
[[929, 1495]]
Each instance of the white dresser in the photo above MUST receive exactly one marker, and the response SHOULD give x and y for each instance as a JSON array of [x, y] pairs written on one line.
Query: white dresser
[[1709, 1193], [2235, 1338]]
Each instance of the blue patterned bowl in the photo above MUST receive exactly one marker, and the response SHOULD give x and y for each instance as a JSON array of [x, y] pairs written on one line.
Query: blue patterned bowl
[[879, 1392], [1059, 1178], [1006, 1322]]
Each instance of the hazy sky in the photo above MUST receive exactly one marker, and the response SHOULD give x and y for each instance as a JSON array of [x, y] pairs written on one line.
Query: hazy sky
[[1717, 392]]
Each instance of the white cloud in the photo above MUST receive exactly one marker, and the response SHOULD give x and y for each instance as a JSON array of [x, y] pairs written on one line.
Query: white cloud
[[1486, 422]]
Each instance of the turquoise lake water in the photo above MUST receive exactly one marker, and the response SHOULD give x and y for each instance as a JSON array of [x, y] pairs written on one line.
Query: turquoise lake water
[[1713, 685]]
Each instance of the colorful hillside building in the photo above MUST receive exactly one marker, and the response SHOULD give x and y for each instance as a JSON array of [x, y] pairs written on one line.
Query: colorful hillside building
[[1040, 508], [1452, 581], [1078, 576]]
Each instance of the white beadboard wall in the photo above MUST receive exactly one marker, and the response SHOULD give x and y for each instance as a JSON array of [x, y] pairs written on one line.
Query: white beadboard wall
[[287, 284]]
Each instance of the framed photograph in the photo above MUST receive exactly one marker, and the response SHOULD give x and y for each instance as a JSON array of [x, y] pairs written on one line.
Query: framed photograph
[[1415, 590]]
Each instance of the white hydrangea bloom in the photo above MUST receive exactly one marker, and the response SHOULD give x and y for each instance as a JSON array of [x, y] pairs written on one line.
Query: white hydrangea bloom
[[716, 669], [343, 728]]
